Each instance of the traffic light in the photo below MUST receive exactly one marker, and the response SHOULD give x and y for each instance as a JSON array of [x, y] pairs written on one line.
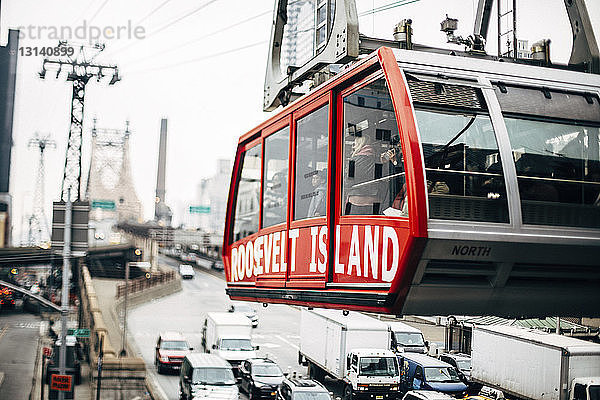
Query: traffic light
[[14, 271], [136, 254]]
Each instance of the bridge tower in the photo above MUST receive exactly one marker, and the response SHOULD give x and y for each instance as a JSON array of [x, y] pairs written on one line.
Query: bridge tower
[[110, 187]]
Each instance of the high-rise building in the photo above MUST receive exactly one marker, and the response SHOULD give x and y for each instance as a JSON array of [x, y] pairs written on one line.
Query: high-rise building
[[212, 195], [8, 74], [298, 44]]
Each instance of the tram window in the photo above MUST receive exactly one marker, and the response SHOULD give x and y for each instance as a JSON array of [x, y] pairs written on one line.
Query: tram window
[[462, 162], [555, 143], [248, 195], [275, 177], [558, 172], [312, 142], [374, 179]]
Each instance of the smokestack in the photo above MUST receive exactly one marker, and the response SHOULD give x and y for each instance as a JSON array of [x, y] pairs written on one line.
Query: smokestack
[[162, 213]]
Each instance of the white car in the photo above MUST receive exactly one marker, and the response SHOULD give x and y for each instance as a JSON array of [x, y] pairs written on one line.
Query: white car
[[247, 310], [426, 395], [186, 271]]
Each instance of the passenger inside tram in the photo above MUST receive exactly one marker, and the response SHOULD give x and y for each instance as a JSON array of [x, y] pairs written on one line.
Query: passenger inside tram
[[316, 207], [373, 165], [363, 196]]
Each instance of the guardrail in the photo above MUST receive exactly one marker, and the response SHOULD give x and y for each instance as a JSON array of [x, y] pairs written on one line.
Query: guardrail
[[142, 283]]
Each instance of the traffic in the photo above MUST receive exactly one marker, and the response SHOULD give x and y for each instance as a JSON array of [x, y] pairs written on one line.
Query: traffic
[[352, 355]]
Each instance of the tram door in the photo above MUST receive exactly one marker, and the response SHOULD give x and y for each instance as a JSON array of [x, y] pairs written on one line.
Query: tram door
[[372, 207]]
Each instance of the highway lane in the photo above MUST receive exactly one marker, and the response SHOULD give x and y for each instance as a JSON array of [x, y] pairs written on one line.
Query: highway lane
[[276, 334], [19, 334]]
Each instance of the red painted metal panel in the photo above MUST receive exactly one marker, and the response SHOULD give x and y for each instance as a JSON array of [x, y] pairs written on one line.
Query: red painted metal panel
[[308, 256], [368, 253], [352, 256]]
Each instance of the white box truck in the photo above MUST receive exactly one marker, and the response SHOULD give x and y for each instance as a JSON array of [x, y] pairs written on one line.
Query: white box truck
[[228, 335], [533, 364], [351, 348]]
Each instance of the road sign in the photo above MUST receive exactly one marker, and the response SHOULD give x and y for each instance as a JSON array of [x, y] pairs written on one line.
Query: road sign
[[63, 383], [199, 209], [47, 351], [104, 204], [80, 333]]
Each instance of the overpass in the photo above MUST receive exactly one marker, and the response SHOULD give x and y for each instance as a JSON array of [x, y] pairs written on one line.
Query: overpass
[[26, 292]]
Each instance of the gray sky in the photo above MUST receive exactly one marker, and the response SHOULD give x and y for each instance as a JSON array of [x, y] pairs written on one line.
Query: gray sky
[[210, 93]]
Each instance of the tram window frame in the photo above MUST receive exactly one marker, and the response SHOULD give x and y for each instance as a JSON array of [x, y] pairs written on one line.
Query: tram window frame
[[556, 189], [269, 134], [445, 200], [251, 145], [323, 102], [397, 208]]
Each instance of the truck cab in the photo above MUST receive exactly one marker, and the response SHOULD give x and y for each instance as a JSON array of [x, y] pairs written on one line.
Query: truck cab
[[585, 389], [372, 374], [421, 372]]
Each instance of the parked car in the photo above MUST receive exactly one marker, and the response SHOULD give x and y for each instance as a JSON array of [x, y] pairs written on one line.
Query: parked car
[[7, 298], [73, 365], [247, 311], [302, 389], [426, 395], [260, 378], [171, 348], [462, 362], [206, 376], [218, 265], [186, 271]]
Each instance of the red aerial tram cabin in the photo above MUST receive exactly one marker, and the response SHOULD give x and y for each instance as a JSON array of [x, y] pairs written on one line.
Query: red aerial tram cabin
[[421, 183]]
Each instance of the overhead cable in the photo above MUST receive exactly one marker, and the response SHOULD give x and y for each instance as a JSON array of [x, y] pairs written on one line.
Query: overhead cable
[[198, 59], [198, 39]]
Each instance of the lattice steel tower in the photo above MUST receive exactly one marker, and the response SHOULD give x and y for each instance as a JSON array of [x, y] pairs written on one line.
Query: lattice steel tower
[[38, 230], [79, 68]]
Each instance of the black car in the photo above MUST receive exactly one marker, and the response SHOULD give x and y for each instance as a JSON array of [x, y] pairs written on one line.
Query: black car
[[260, 378], [302, 389], [72, 362]]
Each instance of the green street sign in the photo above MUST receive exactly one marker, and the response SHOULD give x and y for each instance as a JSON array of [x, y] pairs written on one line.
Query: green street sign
[[199, 209], [80, 333], [103, 204]]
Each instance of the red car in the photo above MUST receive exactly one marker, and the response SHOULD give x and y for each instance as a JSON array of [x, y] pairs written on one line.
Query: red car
[[171, 348]]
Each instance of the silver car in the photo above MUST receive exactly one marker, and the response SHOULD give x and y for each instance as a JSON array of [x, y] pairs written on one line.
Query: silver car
[[247, 310]]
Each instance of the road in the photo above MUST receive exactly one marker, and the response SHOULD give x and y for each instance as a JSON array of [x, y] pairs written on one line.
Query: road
[[19, 334], [276, 334]]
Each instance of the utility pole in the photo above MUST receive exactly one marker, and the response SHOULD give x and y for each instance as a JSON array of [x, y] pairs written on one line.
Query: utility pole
[[124, 338], [38, 223], [80, 68], [65, 290], [100, 361], [78, 65]]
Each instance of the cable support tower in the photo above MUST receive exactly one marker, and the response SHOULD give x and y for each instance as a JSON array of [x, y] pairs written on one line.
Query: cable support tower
[[38, 230], [78, 68]]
